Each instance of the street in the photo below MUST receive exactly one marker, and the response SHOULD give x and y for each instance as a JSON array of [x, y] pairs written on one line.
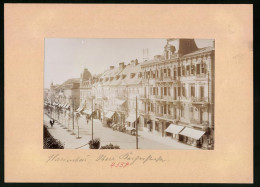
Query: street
[[107, 136]]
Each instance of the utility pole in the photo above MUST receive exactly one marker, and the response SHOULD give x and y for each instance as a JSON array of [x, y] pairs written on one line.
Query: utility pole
[[92, 120], [136, 126], [73, 110]]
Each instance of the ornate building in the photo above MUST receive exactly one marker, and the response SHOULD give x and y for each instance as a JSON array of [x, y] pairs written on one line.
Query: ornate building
[[178, 93]]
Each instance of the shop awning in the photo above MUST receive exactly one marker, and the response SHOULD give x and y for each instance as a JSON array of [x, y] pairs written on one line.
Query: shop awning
[[120, 101], [131, 119], [195, 134], [174, 129], [129, 128], [109, 114], [79, 109], [67, 106], [87, 111]]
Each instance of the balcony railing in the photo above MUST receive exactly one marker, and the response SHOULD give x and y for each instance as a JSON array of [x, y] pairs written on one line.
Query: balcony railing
[[165, 98], [199, 100], [198, 122], [195, 121], [143, 96], [165, 116], [166, 79]]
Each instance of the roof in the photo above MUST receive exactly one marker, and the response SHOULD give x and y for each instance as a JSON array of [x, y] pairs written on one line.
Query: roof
[[111, 72], [149, 62], [70, 81], [199, 51], [128, 72]]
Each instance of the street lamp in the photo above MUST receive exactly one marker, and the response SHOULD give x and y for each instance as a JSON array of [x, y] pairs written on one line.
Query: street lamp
[[93, 96], [73, 110], [136, 125]]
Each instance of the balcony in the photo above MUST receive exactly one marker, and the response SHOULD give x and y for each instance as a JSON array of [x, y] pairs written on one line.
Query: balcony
[[165, 98], [143, 97], [165, 116], [203, 101], [198, 123]]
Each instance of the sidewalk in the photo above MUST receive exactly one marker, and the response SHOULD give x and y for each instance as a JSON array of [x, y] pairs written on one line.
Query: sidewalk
[[166, 140], [69, 141], [107, 136]]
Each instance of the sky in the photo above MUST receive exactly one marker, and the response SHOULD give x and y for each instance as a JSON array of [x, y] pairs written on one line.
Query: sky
[[66, 58]]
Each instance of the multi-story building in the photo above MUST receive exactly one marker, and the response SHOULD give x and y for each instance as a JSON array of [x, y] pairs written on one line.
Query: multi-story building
[[178, 93], [85, 90], [65, 100], [170, 95]]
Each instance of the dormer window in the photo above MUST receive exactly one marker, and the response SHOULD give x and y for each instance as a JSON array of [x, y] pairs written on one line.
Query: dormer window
[[132, 75], [123, 76], [111, 78], [117, 77], [106, 79]]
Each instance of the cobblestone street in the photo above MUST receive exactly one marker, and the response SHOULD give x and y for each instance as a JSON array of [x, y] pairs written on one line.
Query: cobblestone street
[[107, 135]]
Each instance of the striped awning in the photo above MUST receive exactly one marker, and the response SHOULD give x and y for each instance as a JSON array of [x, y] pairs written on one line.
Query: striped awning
[[192, 133], [79, 109], [87, 111], [109, 114], [131, 118], [174, 129]]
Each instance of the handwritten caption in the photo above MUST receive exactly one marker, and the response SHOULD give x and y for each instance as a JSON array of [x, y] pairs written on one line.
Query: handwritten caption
[[121, 161]]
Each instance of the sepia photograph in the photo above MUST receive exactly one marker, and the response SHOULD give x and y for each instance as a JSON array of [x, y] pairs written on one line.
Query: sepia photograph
[[129, 93]]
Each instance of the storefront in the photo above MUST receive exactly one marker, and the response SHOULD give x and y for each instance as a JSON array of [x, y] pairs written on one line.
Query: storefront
[[88, 113], [108, 120], [131, 121], [192, 136], [173, 130]]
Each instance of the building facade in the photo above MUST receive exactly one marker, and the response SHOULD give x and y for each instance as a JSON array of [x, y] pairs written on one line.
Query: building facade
[[178, 93], [171, 95]]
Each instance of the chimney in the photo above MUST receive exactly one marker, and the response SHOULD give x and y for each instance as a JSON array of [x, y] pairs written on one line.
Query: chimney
[[134, 62], [121, 65], [112, 67]]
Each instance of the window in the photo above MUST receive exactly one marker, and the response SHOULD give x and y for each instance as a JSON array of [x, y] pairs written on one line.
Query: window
[[202, 91], [179, 91], [165, 91], [152, 107], [183, 91], [169, 72], [198, 69], [156, 126], [192, 91], [169, 110], [165, 109], [179, 71], [187, 70], [153, 74], [169, 91], [182, 111], [203, 68], [183, 70], [175, 73], [192, 69]]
